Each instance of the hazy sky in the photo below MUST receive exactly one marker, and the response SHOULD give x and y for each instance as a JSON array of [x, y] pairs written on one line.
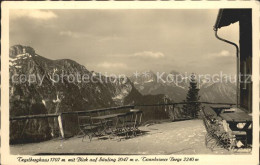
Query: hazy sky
[[123, 41]]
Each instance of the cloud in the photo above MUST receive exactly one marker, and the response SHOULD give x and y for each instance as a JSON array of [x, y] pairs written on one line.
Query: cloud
[[33, 14], [72, 34], [112, 65], [221, 54], [149, 54], [225, 53], [69, 34]]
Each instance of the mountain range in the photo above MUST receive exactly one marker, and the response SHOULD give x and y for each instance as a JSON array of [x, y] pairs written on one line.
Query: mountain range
[[175, 85], [42, 86]]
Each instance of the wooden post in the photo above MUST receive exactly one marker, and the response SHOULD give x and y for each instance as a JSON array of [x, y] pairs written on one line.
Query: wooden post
[[61, 126], [173, 111], [141, 118]]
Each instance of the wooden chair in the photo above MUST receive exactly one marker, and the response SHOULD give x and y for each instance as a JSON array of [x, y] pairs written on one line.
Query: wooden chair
[[87, 127], [129, 124], [137, 121], [123, 125]]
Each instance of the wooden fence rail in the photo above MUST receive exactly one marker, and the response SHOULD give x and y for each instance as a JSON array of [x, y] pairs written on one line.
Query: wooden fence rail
[[59, 115], [73, 112], [179, 103], [105, 109], [33, 116]]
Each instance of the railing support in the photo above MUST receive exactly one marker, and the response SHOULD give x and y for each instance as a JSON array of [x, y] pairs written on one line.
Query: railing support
[[61, 126]]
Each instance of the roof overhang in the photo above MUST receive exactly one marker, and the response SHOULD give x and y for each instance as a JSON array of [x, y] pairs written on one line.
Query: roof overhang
[[227, 17]]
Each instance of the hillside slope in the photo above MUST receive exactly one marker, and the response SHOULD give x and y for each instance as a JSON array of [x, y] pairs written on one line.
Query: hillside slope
[[58, 86]]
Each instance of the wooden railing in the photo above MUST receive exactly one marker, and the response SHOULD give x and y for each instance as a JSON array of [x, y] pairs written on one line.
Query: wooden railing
[[72, 112], [179, 103], [59, 115]]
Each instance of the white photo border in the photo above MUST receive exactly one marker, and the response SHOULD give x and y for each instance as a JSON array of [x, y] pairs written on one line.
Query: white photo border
[[7, 158]]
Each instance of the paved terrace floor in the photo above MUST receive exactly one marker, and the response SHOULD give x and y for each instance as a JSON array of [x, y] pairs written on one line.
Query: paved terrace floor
[[183, 137]]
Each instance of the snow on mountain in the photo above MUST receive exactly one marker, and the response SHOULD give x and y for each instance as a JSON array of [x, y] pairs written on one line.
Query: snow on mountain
[[176, 86], [57, 86], [54, 88], [158, 83]]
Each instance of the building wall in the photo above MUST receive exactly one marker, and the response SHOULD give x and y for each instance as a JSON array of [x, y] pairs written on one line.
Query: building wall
[[245, 24]]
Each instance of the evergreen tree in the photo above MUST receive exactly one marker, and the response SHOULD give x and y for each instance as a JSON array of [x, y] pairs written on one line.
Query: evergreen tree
[[192, 109]]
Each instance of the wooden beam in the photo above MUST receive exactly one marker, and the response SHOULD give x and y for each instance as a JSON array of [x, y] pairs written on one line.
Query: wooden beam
[[61, 126], [99, 110], [73, 112], [33, 116], [180, 103]]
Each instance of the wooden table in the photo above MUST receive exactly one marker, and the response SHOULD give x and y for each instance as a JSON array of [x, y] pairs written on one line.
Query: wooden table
[[236, 117], [135, 110], [106, 117], [239, 126], [105, 120], [233, 118], [218, 109]]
